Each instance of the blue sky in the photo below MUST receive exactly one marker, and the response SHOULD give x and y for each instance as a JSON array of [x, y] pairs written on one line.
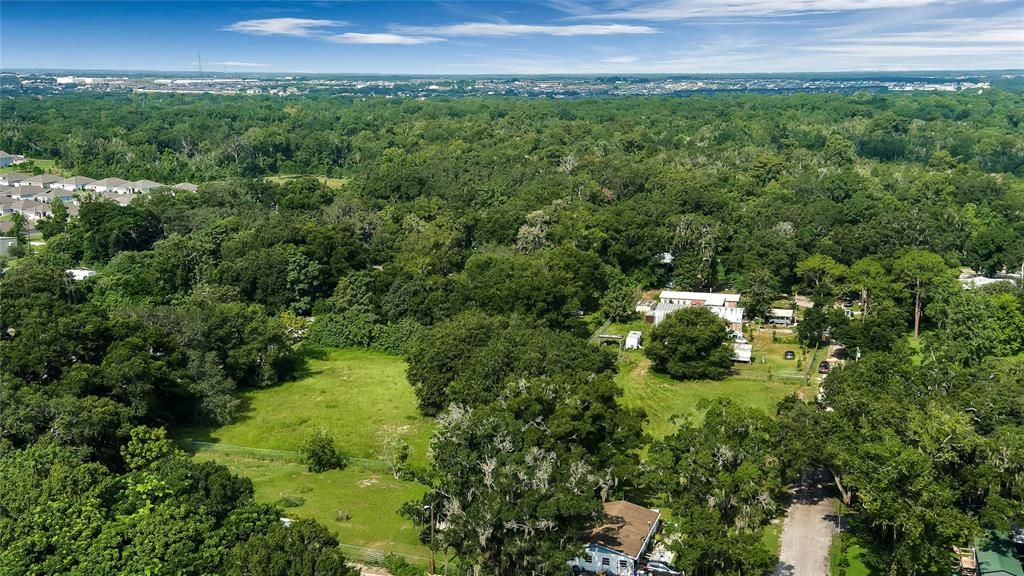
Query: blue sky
[[537, 37]]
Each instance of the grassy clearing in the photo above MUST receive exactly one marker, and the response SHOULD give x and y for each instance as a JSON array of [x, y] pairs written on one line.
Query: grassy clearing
[[759, 385], [771, 538], [353, 394], [45, 165], [370, 499], [854, 557], [332, 183]]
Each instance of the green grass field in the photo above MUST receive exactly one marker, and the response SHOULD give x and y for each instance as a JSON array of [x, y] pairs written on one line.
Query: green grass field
[[46, 165], [353, 394], [762, 384], [369, 500], [332, 183]]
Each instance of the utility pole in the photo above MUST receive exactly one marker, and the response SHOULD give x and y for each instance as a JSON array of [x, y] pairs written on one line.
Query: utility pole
[[433, 568], [199, 55]]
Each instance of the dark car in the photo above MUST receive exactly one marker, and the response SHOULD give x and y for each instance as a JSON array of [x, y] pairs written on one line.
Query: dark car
[[658, 568], [823, 368], [789, 355]]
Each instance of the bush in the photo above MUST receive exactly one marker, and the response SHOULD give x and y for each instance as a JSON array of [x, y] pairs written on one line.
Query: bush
[[350, 329], [396, 337], [398, 566], [321, 454]]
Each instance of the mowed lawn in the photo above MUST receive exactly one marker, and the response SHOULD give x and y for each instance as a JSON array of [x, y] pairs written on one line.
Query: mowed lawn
[[360, 506], [759, 385], [353, 394], [332, 183]]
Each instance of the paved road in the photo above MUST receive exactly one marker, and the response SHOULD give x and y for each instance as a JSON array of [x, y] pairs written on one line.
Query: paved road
[[807, 534]]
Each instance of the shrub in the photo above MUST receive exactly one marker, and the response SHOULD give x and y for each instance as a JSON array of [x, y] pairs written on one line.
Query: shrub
[[396, 337], [350, 329], [321, 454], [398, 566]]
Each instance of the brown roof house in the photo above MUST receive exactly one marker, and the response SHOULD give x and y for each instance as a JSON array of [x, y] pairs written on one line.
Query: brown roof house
[[616, 546]]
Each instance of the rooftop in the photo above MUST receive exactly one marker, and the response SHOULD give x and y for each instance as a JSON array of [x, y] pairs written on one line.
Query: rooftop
[[627, 528]]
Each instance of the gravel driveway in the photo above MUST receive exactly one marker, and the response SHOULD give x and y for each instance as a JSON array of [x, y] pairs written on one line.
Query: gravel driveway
[[807, 533]]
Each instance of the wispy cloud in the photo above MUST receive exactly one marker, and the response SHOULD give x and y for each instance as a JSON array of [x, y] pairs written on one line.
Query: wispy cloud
[[382, 38], [302, 27], [667, 10], [493, 29], [241, 64], [620, 59]]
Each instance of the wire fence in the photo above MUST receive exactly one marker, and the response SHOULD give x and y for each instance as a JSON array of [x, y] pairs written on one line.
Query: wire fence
[[195, 446]]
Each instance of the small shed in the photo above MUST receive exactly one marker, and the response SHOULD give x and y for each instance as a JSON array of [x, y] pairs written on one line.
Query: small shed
[[633, 339]]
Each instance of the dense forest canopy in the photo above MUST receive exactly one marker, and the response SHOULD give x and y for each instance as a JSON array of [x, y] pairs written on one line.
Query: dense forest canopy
[[477, 237]]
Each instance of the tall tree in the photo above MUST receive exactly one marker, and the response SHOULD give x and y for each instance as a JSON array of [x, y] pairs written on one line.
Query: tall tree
[[919, 270]]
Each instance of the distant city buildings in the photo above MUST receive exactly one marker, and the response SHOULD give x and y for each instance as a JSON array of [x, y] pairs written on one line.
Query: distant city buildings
[[531, 87]]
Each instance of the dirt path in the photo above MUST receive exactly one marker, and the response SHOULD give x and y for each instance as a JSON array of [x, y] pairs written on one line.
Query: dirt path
[[807, 534]]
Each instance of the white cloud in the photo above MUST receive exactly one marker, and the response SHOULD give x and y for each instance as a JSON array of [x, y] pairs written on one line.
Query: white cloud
[[667, 10], [241, 64], [284, 26], [505, 29], [382, 38], [620, 59]]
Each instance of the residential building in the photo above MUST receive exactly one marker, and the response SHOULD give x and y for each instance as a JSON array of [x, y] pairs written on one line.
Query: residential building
[[73, 183], [40, 180], [725, 306], [616, 546], [23, 192], [979, 281], [10, 178], [10, 159], [30, 209], [116, 185], [141, 186]]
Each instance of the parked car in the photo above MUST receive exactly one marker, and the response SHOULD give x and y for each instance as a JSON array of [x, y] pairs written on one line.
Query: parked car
[[789, 355], [824, 367], [659, 568]]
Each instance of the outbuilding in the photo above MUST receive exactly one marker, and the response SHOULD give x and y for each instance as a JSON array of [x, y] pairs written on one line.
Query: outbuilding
[[633, 339]]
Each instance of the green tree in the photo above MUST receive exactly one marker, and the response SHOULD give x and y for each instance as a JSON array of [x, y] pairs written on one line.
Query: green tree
[[305, 548], [920, 270], [691, 343], [762, 290], [515, 481], [321, 452], [724, 481], [821, 273], [57, 222]]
